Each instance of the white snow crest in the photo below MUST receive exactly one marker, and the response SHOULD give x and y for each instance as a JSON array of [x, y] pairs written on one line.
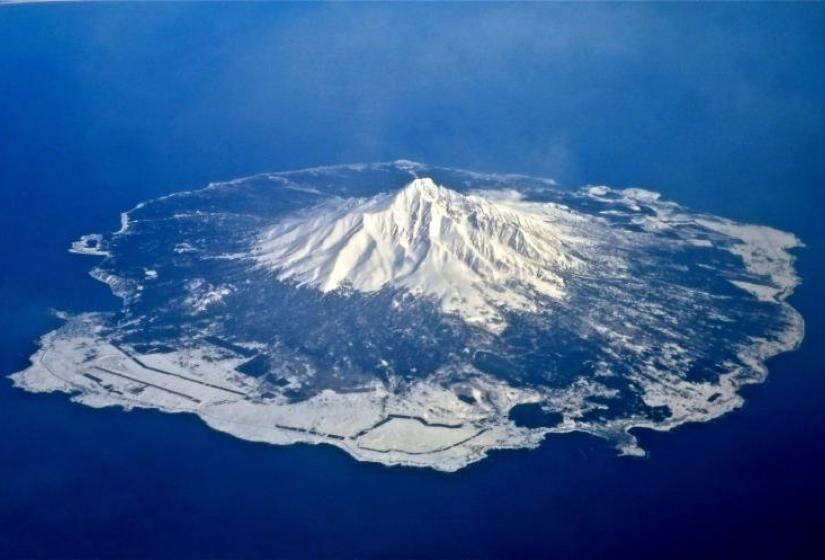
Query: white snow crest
[[476, 255]]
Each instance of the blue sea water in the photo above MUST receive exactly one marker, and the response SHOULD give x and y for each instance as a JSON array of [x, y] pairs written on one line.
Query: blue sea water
[[103, 106]]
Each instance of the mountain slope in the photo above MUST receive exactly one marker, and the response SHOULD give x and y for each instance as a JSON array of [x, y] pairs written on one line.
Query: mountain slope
[[476, 254]]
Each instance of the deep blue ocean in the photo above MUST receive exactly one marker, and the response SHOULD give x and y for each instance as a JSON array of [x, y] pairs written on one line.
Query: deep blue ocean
[[721, 108]]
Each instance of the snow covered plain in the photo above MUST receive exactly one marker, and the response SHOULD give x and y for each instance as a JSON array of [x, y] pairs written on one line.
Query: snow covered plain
[[400, 312]]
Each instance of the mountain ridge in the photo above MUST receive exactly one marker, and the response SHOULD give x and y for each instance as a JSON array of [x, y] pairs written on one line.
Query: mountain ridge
[[476, 254]]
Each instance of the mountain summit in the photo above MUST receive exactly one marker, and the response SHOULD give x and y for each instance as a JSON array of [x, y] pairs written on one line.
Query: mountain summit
[[476, 254]]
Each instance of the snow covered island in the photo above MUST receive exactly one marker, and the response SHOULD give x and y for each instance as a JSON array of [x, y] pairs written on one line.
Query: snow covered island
[[423, 316]]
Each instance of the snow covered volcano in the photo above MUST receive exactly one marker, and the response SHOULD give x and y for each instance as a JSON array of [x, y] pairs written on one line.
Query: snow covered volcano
[[476, 254]]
